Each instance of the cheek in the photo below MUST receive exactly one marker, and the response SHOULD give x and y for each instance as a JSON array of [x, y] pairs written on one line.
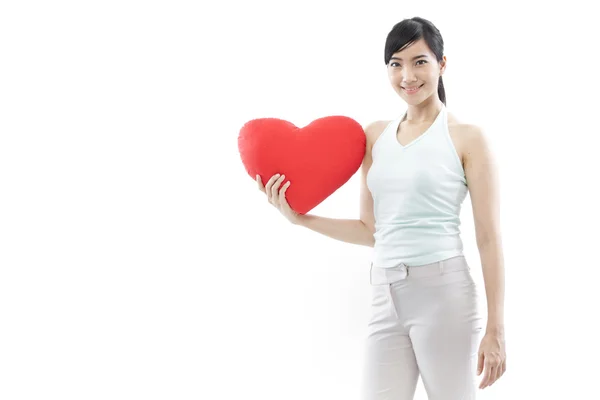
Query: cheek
[[434, 73], [395, 76]]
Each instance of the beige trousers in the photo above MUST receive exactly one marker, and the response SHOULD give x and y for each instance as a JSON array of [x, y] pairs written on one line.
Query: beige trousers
[[425, 320]]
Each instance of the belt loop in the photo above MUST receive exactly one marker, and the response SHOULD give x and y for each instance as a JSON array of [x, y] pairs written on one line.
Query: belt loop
[[442, 267]]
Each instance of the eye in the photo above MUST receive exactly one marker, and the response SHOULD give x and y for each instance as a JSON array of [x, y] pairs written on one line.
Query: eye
[[394, 64]]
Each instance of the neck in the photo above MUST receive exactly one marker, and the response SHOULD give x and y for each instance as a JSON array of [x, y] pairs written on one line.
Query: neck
[[424, 112]]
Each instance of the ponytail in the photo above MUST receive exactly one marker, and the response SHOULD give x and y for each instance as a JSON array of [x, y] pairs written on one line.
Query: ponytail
[[441, 91]]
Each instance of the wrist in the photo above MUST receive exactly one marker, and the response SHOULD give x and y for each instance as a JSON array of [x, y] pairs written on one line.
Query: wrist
[[299, 219], [496, 330]]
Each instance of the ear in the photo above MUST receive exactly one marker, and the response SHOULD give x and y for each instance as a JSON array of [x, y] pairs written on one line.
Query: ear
[[443, 65]]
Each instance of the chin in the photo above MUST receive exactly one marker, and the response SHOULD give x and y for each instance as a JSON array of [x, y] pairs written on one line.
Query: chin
[[413, 100]]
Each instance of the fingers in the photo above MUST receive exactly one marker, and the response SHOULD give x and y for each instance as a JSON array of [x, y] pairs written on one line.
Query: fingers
[[483, 367], [268, 186], [282, 198], [480, 364], [492, 374], [494, 369], [489, 376], [501, 370], [271, 188], [275, 189]]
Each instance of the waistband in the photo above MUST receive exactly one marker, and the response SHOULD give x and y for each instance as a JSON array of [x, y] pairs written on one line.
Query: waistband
[[382, 276]]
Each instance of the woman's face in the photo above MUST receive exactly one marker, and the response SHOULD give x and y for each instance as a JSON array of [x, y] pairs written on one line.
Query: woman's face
[[414, 72]]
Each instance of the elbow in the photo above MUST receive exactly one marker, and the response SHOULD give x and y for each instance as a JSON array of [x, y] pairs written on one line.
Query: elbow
[[369, 233], [487, 241]]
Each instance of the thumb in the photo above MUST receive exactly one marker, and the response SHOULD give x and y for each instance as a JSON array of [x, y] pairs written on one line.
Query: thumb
[[480, 364]]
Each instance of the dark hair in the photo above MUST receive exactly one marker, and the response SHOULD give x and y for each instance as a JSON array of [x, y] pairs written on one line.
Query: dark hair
[[410, 30]]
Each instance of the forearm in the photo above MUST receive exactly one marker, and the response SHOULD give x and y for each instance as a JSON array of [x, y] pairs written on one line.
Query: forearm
[[352, 231], [492, 261]]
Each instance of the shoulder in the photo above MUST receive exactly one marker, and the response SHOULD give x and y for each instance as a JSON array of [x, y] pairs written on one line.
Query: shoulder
[[472, 140], [467, 132], [468, 138], [464, 129], [373, 130]]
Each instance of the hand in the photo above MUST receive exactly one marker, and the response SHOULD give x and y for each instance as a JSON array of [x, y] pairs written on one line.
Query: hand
[[276, 196], [492, 356]]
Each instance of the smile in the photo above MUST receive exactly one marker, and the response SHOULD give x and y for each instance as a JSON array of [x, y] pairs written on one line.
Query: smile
[[412, 90]]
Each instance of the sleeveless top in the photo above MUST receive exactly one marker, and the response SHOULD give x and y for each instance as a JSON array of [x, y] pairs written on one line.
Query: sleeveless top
[[417, 190]]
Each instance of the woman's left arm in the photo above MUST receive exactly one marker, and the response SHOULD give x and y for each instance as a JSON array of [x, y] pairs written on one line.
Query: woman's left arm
[[482, 180], [483, 183]]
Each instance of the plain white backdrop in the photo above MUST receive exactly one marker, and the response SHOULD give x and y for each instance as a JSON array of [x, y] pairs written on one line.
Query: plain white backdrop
[[138, 260]]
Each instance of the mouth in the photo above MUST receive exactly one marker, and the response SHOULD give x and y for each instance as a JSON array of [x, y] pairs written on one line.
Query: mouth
[[412, 90]]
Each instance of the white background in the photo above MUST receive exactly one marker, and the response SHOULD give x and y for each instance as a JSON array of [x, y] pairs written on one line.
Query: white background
[[138, 260]]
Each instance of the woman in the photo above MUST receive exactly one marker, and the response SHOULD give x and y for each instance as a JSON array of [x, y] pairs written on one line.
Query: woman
[[415, 175]]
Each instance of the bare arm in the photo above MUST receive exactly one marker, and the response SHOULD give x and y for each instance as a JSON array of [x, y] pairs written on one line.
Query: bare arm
[[355, 231], [482, 178], [352, 231]]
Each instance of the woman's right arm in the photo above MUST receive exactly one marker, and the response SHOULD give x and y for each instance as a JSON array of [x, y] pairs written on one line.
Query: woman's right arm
[[356, 231]]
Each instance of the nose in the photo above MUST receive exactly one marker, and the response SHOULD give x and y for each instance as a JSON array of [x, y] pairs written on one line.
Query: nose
[[409, 75]]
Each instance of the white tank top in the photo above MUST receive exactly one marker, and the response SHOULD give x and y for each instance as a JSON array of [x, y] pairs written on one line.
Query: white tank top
[[418, 190]]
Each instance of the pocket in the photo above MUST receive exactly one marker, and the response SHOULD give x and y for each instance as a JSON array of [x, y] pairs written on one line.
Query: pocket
[[459, 277]]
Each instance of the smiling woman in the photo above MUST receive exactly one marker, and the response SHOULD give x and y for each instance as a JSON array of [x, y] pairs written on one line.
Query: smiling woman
[[416, 172], [420, 64]]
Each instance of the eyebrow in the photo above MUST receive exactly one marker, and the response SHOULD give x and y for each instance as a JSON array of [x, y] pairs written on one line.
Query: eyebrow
[[414, 58]]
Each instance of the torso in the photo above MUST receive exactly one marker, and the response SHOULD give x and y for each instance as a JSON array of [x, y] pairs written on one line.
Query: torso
[[407, 133]]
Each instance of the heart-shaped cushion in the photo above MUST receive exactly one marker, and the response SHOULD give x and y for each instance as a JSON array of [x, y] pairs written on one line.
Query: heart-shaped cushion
[[318, 158]]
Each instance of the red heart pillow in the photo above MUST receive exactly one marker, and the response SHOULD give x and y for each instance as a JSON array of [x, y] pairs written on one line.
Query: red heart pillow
[[318, 159]]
